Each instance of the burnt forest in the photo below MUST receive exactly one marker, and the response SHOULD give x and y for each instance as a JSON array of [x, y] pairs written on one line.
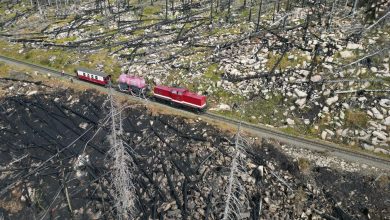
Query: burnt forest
[[89, 148]]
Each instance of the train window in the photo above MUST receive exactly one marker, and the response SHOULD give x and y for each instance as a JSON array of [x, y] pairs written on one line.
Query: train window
[[95, 77], [180, 93], [83, 74], [174, 92]]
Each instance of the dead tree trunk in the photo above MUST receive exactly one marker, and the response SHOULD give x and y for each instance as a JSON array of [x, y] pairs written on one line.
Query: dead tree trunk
[[228, 13], [258, 16], [354, 6], [250, 11], [211, 11], [166, 9], [331, 15]]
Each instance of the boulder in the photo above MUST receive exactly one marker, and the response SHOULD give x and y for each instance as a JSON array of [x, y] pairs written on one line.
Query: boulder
[[290, 121], [376, 113], [332, 100], [346, 54], [300, 93], [368, 147], [385, 103], [380, 134], [222, 107], [331, 133], [325, 109], [386, 121], [352, 46], [316, 78], [342, 115], [32, 93], [301, 102], [323, 135], [380, 150]]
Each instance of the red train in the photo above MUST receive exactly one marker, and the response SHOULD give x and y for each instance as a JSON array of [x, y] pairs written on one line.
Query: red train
[[136, 86]]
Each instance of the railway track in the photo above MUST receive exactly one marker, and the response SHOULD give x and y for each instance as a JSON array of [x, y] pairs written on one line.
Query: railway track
[[267, 132]]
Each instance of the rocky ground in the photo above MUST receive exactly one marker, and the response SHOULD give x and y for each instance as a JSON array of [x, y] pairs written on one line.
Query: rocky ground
[[51, 147], [314, 68]]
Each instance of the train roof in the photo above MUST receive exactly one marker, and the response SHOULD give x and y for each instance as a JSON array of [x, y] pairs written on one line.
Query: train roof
[[95, 72]]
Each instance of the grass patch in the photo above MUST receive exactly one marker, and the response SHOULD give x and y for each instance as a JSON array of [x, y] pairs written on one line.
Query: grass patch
[[303, 164], [213, 73], [356, 119], [65, 40], [62, 59], [285, 63], [152, 10]]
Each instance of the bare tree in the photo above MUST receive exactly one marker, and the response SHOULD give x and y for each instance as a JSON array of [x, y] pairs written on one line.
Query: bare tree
[[229, 10], [122, 165], [250, 11], [354, 6], [258, 16], [211, 11], [235, 190]]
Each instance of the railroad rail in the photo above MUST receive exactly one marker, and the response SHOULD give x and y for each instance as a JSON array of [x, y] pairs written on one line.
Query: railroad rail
[[261, 130]]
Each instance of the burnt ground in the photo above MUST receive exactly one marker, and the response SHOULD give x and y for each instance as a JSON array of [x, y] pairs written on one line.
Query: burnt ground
[[181, 166]]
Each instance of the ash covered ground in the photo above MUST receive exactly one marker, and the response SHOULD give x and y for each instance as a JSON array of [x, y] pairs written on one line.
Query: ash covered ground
[[49, 148]]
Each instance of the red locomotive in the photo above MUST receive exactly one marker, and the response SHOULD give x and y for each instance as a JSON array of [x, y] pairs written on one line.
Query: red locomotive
[[180, 96], [136, 86], [93, 76]]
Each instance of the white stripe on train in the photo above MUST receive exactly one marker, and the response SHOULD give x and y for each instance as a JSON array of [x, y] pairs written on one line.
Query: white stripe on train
[[181, 102]]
